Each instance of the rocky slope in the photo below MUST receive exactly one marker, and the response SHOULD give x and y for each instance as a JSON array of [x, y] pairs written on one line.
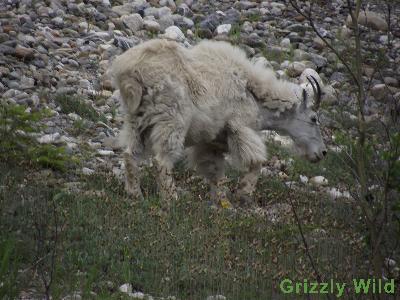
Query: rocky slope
[[56, 49]]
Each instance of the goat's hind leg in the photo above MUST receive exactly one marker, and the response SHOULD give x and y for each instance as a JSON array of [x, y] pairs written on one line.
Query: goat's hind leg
[[167, 143], [247, 186]]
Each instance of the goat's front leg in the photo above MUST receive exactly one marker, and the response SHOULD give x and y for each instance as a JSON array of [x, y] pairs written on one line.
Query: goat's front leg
[[247, 149], [166, 183], [247, 186], [209, 162]]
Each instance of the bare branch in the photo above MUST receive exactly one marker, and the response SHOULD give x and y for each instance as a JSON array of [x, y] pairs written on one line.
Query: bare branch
[[328, 44]]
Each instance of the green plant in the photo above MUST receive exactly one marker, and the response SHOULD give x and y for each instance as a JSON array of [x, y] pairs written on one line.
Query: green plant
[[80, 126], [77, 105], [8, 268], [18, 130], [254, 17]]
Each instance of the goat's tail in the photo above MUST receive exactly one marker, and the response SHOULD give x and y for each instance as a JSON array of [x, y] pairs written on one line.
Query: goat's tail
[[127, 79]]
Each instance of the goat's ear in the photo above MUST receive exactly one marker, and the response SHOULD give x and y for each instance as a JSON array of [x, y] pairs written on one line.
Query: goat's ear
[[303, 105]]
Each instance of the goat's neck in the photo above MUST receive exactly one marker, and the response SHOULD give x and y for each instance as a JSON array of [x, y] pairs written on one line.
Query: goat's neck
[[270, 120]]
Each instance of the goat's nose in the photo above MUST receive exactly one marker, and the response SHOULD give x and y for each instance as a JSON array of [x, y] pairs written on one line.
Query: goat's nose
[[324, 152]]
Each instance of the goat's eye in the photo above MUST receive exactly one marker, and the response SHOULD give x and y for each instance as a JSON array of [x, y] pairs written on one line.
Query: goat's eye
[[314, 119]]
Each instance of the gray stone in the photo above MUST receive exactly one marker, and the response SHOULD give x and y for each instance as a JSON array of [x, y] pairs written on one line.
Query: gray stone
[[244, 5], [24, 52], [391, 81], [134, 22], [211, 22], [318, 43], [370, 19], [123, 10], [299, 55], [297, 28], [285, 43], [27, 82], [295, 69], [254, 40], [319, 60], [184, 10], [165, 22], [151, 25]]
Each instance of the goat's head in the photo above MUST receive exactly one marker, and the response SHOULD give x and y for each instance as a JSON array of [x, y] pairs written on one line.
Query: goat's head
[[304, 127], [301, 123]]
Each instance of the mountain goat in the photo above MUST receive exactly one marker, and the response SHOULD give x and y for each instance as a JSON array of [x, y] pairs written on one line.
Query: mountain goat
[[212, 100]]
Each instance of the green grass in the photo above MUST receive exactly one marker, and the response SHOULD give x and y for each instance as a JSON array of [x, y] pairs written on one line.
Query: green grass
[[105, 240], [254, 17], [234, 33], [74, 104]]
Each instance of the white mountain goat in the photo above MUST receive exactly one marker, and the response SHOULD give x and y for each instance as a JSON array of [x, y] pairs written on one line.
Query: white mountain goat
[[212, 100]]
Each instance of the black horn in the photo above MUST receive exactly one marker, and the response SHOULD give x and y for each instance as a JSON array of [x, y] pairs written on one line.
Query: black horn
[[317, 91]]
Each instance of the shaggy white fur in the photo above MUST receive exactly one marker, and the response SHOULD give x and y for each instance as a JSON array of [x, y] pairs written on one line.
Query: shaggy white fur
[[207, 98]]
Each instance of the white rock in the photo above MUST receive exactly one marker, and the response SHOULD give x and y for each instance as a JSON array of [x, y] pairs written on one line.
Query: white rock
[[105, 152], [303, 179], [125, 288], [189, 33], [390, 262], [49, 138], [106, 3], [137, 295], [216, 297], [87, 171], [83, 26], [319, 180], [285, 43], [224, 29], [74, 116], [334, 193], [265, 171], [174, 33], [346, 194], [284, 141], [383, 39]]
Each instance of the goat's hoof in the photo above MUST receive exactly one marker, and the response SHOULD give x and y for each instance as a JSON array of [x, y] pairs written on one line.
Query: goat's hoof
[[135, 194]]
